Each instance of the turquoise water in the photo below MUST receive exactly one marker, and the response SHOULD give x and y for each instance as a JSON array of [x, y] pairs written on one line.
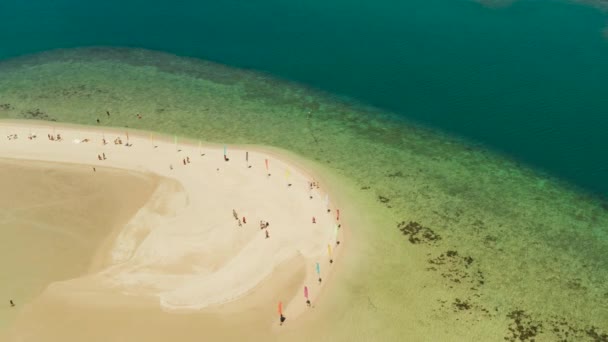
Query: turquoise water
[[527, 79]]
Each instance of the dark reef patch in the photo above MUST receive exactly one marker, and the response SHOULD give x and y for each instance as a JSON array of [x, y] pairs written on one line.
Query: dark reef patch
[[523, 327], [563, 329], [383, 199], [395, 174], [6, 106], [36, 114], [457, 269], [461, 305], [417, 234]]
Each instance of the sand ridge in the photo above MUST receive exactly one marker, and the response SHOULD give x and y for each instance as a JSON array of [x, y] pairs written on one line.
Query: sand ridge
[[184, 246]]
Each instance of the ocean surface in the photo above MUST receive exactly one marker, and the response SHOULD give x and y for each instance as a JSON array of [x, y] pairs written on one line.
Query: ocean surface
[[470, 135], [525, 78]]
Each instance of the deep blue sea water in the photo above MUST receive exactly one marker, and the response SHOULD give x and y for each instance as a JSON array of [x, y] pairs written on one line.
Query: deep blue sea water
[[528, 79]]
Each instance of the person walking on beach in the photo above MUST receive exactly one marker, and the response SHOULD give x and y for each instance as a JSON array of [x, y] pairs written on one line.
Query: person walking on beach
[[188, 160], [267, 235], [314, 220], [244, 220], [11, 301], [104, 156]]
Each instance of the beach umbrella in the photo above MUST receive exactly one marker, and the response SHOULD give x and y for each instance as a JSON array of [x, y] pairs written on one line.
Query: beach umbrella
[[327, 200], [306, 292], [224, 150], [287, 174], [318, 269], [280, 308], [175, 140], [266, 161]]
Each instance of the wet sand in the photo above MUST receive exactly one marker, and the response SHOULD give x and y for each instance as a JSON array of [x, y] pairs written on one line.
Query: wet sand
[[54, 218]]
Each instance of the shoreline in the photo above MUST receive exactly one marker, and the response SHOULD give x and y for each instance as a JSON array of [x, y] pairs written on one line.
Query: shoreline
[[295, 167]]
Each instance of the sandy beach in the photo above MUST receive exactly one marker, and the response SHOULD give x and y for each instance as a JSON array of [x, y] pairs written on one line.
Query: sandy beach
[[197, 238]]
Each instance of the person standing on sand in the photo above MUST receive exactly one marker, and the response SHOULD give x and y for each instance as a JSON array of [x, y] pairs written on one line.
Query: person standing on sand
[[94, 170], [104, 156], [267, 235], [12, 304]]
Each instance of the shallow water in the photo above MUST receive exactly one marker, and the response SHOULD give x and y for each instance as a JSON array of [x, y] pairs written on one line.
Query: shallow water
[[495, 235]]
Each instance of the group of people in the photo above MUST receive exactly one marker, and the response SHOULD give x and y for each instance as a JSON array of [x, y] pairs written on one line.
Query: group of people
[[263, 224], [12, 137], [313, 185], [53, 138]]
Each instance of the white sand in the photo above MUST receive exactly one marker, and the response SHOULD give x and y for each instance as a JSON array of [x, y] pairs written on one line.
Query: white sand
[[184, 246]]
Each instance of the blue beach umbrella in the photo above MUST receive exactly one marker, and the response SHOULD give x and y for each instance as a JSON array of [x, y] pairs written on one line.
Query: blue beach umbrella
[[318, 269]]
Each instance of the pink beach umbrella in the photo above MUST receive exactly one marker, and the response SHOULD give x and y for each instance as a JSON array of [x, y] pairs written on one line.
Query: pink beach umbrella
[[306, 292]]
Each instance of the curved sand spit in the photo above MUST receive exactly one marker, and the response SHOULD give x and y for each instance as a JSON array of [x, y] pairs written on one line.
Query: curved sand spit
[[185, 246]]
